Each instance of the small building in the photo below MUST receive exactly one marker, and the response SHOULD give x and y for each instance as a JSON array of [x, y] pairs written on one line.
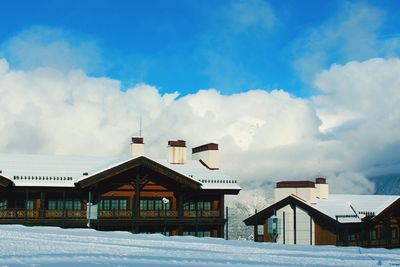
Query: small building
[[174, 196], [305, 213]]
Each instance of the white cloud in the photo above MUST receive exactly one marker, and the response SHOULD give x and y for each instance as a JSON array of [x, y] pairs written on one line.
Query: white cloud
[[353, 34], [252, 13], [42, 46], [264, 136]]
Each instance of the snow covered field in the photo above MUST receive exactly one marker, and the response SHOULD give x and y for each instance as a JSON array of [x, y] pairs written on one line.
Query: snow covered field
[[48, 246]]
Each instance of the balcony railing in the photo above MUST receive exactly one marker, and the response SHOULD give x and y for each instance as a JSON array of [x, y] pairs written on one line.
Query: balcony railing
[[81, 214], [36, 214], [18, 213], [201, 213], [158, 213], [115, 213]]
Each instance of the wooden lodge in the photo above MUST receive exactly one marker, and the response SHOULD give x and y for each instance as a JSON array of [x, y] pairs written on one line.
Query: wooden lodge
[[175, 196], [305, 213]]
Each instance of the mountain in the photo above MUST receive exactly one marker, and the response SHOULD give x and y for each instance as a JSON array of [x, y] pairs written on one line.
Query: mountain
[[388, 184]]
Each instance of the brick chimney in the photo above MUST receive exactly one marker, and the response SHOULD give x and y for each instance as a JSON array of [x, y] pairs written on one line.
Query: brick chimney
[[307, 190], [177, 152], [137, 147], [321, 188], [208, 155]]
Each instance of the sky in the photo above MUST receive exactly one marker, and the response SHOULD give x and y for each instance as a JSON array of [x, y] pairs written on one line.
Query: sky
[[289, 89]]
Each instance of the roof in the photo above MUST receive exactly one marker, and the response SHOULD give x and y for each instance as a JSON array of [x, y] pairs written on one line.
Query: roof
[[338, 208], [353, 208], [66, 171]]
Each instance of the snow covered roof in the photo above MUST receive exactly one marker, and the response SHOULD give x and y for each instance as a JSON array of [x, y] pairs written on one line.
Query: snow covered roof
[[65, 171], [353, 208], [210, 179], [46, 170]]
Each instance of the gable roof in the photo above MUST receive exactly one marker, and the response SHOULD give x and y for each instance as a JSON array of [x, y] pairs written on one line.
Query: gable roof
[[292, 199], [338, 208], [67, 171], [131, 163]]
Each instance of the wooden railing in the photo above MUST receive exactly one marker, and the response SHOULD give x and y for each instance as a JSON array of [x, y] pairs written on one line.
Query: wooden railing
[[36, 214], [77, 214], [115, 213], [18, 213], [81, 214], [201, 213], [158, 213]]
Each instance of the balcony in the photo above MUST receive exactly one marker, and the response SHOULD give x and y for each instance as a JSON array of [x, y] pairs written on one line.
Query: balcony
[[201, 213], [158, 213], [102, 214], [35, 214]]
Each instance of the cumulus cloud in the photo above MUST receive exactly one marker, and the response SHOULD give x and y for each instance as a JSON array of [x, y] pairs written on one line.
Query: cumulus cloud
[[264, 136]]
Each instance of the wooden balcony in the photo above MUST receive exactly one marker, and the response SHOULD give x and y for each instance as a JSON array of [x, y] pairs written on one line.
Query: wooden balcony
[[201, 213], [35, 214], [18, 213], [158, 213], [115, 213], [102, 214]]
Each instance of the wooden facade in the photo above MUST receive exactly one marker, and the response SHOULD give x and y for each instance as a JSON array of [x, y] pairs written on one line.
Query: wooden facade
[[381, 230], [140, 195]]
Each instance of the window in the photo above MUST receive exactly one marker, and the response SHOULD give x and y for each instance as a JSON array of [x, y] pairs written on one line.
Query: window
[[52, 204], [199, 233], [30, 204], [189, 206], [394, 233], [3, 204], [154, 204], [113, 204], [373, 234], [204, 205], [351, 237], [201, 205], [73, 204], [58, 204]]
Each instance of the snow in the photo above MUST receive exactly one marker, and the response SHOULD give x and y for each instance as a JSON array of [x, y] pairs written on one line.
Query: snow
[[51, 246], [339, 204], [65, 171]]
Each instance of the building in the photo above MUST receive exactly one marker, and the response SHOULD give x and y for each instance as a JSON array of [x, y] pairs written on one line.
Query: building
[[305, 213], [174, 196]]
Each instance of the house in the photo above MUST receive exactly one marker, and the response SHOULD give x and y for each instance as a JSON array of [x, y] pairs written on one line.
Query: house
[[304, 212], [174, 196]]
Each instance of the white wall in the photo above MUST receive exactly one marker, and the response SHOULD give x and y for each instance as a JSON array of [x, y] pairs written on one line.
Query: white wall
[[286, 226]]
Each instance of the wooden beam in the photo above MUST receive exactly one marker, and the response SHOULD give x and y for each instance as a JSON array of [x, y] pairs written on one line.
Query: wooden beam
[[4, 181]]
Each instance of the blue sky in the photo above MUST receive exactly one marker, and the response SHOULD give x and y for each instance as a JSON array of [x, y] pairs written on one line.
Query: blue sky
[[185, 46]]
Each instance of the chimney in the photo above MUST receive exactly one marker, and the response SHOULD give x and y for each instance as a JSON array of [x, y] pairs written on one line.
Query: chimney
[[177, 152], [208, 155], [137, 147], [302, 189], [321, 188]]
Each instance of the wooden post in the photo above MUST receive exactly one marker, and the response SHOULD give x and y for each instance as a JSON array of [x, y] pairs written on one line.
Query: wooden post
[[255, 226], [137, 196], [180, 211], [311, 241], [26, 203], [227, 223], [63, 209], [284, 227], [294, 225], [42, 205]]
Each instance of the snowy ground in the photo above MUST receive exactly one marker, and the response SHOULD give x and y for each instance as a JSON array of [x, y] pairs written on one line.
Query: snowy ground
[[47, 246]]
